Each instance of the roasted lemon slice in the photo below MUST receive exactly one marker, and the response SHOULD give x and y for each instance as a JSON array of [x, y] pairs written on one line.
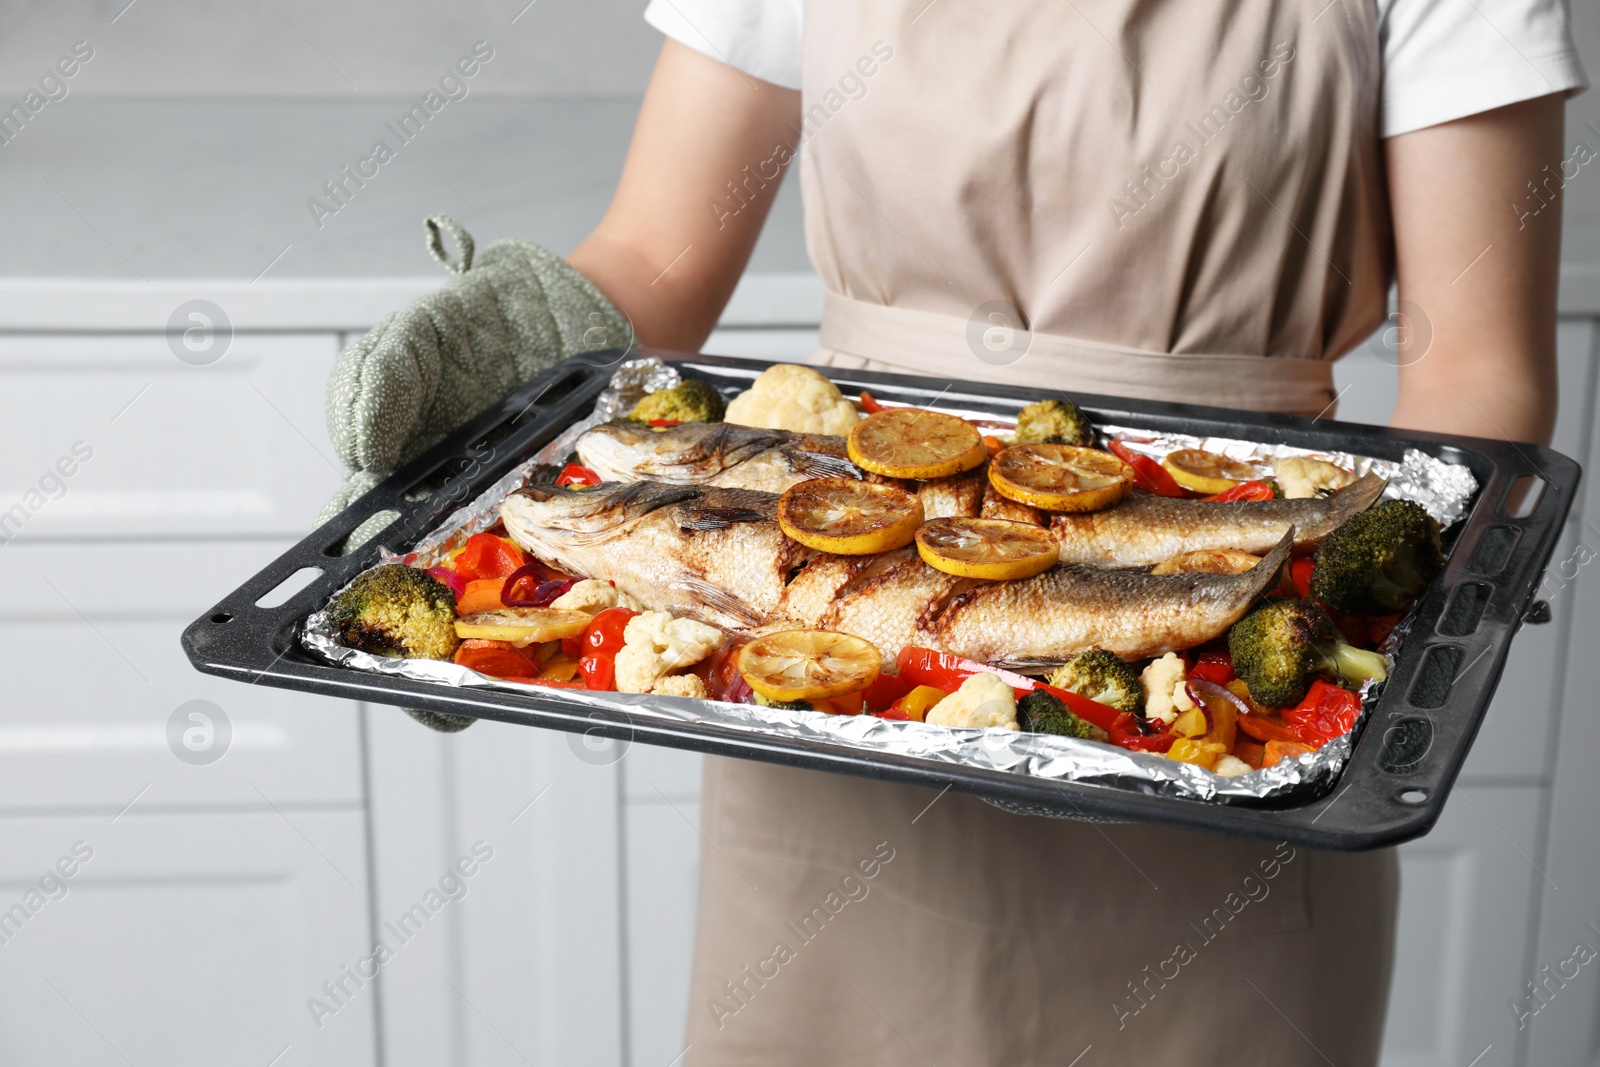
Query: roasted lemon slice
[[808, 664], [998, 549], [522, 626], [1208, 561], [915, 443], [1207, 472], [849, 517], [1060, 477]]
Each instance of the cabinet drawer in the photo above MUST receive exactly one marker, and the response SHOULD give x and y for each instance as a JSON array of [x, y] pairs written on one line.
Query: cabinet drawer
[[112, 436], [184, 939], [95, 675]]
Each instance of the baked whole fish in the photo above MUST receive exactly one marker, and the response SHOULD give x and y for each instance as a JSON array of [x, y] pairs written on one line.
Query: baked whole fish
[[713, 453], [741, 457], [708, 553], [1144, 529], [718, 555]]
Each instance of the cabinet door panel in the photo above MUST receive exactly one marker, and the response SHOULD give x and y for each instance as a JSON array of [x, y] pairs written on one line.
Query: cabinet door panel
[[185, 939], [1465, 896], [663, 877], [163, 447], [96, 675]]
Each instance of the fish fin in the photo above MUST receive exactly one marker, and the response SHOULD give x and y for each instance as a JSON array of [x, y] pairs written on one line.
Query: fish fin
[[821, 465], [1354, 498], [1264, 575], [715, 518], [718, 600]]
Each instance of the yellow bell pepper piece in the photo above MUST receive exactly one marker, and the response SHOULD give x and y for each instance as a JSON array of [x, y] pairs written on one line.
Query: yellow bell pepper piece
[[1191, 723], [1192, 750], [917, 703]]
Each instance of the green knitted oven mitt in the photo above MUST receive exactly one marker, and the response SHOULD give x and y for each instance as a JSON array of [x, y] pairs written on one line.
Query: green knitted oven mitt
[[434, 364], [424, 370]]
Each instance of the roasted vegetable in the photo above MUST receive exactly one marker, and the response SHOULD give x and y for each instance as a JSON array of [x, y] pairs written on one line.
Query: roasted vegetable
[[1055, 422], [395, 610], [1282, 644], [1378, 561], [1102, 677], [691, 400], [784, 705], [1042, 713]]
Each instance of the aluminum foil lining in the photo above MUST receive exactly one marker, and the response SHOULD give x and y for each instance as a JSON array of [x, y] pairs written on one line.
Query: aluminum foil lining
[[1040, 756], [1444, 489]]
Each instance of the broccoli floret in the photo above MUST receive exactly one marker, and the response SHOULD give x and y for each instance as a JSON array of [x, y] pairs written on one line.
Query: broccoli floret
[[1054, 422], [783, 705], [395, 610], [1378, 561], [1042, 713], [1282, 643], [691, 400], [1103, 677]]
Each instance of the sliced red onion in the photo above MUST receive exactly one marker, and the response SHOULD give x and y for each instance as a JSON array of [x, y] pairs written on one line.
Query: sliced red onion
[[457, 584], [533, 571], [1210, 688]]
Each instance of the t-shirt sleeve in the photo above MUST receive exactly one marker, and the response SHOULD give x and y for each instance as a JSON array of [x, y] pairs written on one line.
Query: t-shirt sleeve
[[1447, 59], [759, 37]]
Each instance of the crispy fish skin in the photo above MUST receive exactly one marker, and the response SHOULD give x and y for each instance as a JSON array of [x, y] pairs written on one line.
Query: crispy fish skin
[[893, 604], [713, 453], [705, 552], [1145, 529], [741, 457], [1074, 607]]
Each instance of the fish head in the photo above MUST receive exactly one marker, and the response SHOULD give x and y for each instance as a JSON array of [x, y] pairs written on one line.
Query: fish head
[[540, 516]]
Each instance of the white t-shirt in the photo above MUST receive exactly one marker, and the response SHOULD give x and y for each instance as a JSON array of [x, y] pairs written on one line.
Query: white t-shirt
[[1442, 59]]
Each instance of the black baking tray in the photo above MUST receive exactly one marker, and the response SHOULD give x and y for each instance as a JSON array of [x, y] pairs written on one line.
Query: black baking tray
[[1392, 789]]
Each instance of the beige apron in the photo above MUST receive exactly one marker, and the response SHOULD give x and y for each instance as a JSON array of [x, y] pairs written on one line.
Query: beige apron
[[1180, 201]]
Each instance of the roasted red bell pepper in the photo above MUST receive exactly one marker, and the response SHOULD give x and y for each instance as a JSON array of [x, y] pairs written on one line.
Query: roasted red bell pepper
[[882, 693], [577, 474], [721, 674], [1213, 667], [1251, 490], [665, 422], [499, 659], [1147, 473], [1129, 731], [602, 639], [488, 556], [870, 405], [1326, 712], [1300, 568]]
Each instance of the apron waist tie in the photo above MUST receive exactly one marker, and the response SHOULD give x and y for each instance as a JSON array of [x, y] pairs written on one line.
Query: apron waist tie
[[900, 340]]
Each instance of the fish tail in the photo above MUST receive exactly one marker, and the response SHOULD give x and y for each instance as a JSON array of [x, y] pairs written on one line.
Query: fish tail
[[1356, 497]]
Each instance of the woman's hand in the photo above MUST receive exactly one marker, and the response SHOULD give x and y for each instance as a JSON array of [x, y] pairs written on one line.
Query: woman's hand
[[1479, 262], [709, 151]]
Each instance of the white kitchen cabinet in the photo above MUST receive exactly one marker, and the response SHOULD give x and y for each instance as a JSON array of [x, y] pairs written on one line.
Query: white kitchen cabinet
[[186, 939], [237, 447], [1466, 891], [96, 675]]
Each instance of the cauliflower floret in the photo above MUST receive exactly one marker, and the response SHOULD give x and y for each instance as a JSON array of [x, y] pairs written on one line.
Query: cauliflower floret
[[593, 596], [680, 685], [1227, 766], [983, 700], [789, 396], [1302, 476], [1165, 694], [655, 644]]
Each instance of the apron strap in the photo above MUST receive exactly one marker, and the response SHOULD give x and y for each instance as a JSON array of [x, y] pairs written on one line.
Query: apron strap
[[919, 342]]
